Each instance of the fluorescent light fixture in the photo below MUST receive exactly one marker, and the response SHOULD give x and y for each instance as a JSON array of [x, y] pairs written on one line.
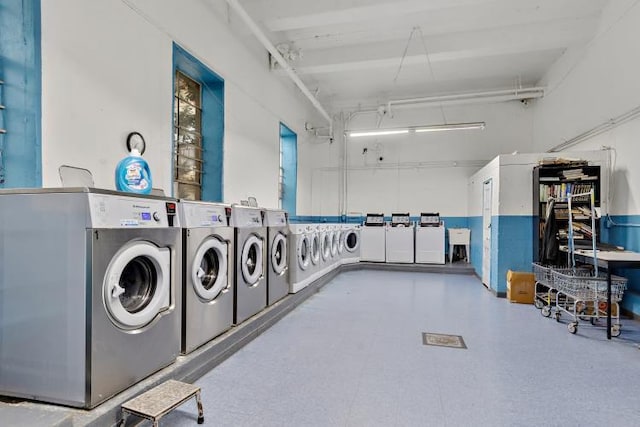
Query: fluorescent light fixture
[[455, 126], [420, 129], [379, 132]]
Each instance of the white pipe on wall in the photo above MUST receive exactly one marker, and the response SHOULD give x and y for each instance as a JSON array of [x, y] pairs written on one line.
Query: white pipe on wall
[[283, 63]]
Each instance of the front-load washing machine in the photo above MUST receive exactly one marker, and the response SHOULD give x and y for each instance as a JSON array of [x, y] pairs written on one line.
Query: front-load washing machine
[[89, 292], [251, 258], [277, 257], [207, 273], [339, 233], [373, 245], [325, 248], [335, 243], [300, 266], [316, 249], [351, 239]]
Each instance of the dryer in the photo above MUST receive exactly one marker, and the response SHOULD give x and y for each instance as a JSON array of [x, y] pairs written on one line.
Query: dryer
[[373, 246], [207, 274], [351, 241], [300, 265], [251, 259], [277, 255], [90, 295]]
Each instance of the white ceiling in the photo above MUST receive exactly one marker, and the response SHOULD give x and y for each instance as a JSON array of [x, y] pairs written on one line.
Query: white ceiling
[[353, 51]]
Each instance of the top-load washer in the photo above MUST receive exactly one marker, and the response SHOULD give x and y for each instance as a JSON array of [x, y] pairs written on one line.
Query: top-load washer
[[430, 246], [89, 292], [207, 274], [300, 265], [277, 256], [251, 258], [351, 240], [373, 235], [399, 239]]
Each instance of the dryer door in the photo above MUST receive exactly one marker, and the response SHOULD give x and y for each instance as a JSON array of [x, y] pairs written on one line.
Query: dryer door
[[209, 269], [251, 260], [304, 252], [137, 285], [279, 253]]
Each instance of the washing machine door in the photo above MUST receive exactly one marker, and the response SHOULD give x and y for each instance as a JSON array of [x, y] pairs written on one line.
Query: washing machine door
[[303, 250], [209, 271], [340, 235], [251, 260], [326, 246], [279, 253], [315, 249], [137, 284], [334, 243], [351, 241]]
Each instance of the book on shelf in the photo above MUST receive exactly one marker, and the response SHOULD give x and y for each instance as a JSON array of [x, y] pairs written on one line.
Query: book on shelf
[[561, 191]]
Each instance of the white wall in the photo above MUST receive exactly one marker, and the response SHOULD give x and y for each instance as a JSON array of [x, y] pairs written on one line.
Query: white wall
[[107, 70], [419, 172], [590, 86]]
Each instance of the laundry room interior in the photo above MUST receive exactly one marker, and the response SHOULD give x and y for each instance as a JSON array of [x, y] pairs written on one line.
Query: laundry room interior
[[296, 212]]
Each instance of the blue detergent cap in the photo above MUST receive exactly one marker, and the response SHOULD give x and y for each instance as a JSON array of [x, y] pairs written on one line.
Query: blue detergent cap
[[133, 174]]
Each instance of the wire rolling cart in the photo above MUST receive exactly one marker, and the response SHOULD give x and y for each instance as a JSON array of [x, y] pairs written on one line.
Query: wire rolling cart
[[579, 292]]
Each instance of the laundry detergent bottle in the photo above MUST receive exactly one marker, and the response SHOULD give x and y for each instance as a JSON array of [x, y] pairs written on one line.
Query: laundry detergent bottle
[[133, 174]]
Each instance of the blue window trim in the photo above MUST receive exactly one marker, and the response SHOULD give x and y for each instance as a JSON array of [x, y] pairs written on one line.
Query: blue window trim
[[212, 122], [289, 147], [21, 70]]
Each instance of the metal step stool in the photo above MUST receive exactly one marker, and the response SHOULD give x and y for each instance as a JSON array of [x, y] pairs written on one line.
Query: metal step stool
[[159, 401]]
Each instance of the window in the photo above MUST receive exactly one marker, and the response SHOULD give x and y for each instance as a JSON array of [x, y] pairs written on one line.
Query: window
[[198, 129], [187, 129], [288, 177]]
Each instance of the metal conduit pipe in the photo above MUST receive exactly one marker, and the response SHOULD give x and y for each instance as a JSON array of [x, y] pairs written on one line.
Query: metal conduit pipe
[[283, 63]]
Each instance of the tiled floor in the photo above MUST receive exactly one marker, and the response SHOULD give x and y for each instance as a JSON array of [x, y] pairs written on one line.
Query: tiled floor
[[352, 355]]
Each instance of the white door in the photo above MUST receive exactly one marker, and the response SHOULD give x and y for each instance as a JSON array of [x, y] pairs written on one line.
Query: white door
[[486, 233]]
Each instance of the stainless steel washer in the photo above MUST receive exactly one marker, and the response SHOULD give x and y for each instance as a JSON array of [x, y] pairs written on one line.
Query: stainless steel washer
[[89, 292], [251, 257], [277, 255], [207, 274]]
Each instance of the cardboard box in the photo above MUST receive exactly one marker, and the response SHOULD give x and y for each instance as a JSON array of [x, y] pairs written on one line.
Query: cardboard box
[[520, 287]]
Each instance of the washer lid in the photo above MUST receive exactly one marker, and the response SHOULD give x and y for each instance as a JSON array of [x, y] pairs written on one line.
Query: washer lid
[[279, 253], [209, 269], [251, 260], [137, 285]]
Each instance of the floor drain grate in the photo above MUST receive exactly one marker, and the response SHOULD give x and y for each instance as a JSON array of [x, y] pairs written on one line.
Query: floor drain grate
[[443, 340]]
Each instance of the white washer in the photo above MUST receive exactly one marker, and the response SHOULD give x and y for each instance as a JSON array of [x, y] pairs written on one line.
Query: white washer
[[339, 233], [399, 239], [335, 232], [351, 242], [300, 266], [207, 274], [430, 239], [251, 260], [373, 235], [90, 294], [277, 255], [316, 249]]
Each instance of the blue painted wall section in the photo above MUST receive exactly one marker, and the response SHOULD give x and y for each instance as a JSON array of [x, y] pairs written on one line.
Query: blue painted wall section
[[629, 238], [21, 71], [475, 224], [515, 247], [212, 120], [289, 147]]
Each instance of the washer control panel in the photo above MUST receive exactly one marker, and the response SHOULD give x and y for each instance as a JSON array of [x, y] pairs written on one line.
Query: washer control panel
[[109, 211], [246, 217], [275, 218], [196, 215]]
